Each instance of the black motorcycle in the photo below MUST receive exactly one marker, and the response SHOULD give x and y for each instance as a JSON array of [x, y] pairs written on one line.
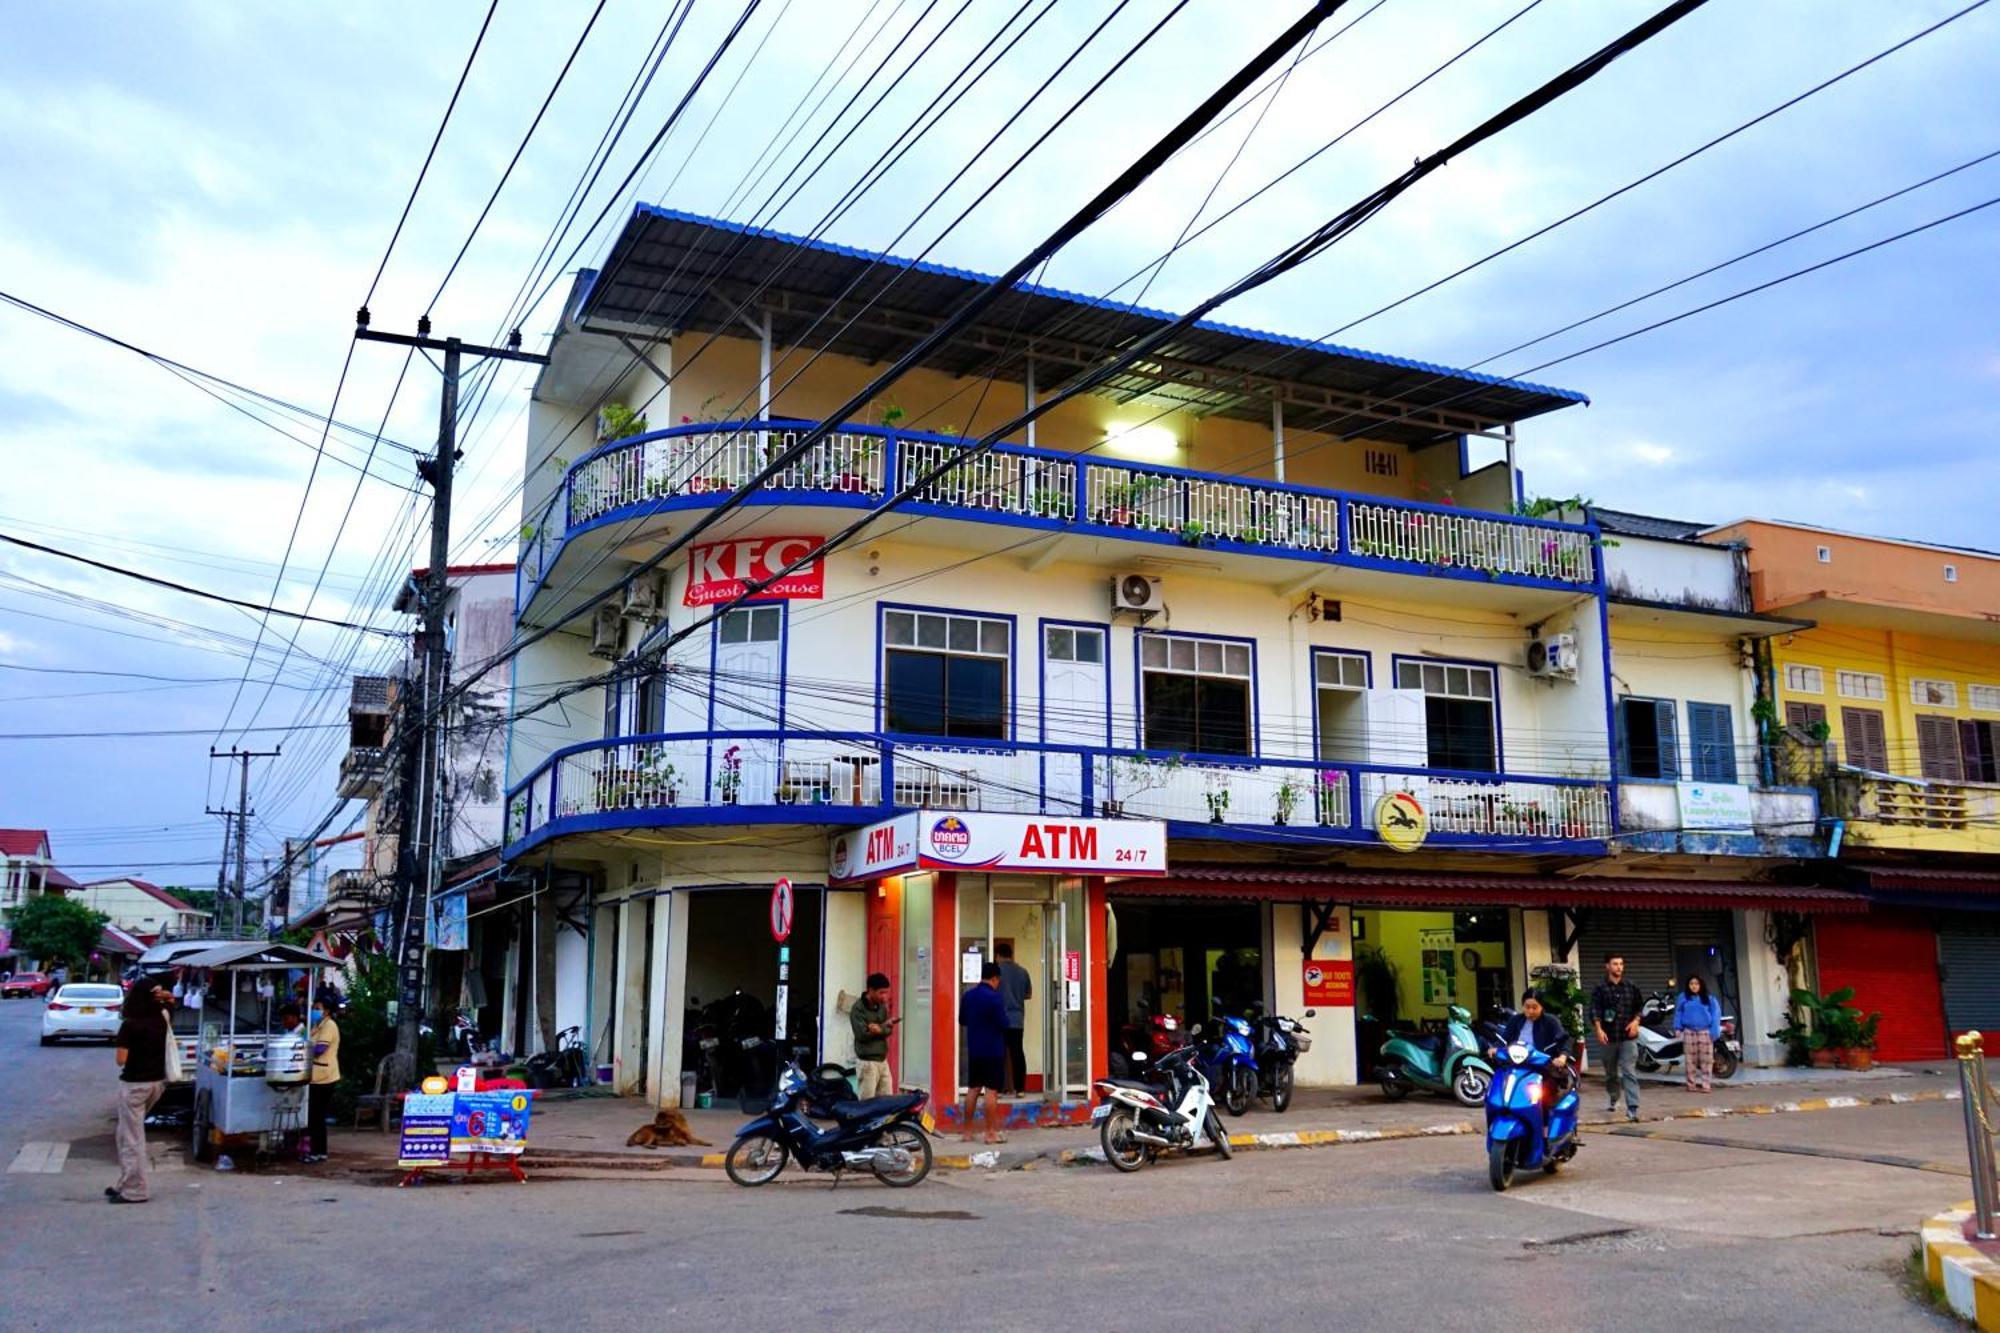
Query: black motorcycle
[[882, 1134], [1280, 1042]]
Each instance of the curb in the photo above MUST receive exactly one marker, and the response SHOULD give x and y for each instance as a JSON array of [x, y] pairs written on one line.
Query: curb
[[1276, 1140], [1969, 1280]]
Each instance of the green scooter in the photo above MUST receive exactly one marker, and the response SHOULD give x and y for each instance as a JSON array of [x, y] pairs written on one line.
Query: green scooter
[[1449, 1063]]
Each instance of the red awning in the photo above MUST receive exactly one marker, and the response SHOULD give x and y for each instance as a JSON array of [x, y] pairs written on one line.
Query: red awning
[[1914, 880], [1360, 888]]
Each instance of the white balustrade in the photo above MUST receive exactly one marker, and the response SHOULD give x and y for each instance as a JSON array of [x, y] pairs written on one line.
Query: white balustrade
[[1509, 809], [717, 462], [997, 481], [1492, 544], [1220, 793]]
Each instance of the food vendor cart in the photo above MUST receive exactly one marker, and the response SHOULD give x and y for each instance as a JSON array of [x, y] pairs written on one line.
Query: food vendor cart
[[250, 1074]]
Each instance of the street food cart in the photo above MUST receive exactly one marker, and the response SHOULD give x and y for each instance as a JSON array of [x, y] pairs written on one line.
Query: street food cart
[[250, 1074]]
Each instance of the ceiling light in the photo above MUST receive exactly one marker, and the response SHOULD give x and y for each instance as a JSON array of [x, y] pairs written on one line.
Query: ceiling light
[[1155, 443]]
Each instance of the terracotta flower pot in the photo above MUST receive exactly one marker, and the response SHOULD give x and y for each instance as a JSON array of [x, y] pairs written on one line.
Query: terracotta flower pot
[[1825, 1058], [1859, 1057]]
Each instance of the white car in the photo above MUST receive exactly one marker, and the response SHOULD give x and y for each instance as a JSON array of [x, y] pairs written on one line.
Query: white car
[[83, 1009]]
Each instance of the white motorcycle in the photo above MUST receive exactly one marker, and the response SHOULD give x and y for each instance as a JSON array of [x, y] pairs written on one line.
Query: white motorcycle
[[1138, 1120], [1660, 1046]]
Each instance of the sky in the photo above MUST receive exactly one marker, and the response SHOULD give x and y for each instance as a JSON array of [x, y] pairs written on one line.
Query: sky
[[217, 183]]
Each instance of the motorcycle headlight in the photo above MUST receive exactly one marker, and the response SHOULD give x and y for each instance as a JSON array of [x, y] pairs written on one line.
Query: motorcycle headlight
[[791, 1082], [1518, 1053]]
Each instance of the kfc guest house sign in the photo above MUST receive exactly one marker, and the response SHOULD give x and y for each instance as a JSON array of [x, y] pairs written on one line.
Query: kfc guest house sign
[[962, 840], [720, 571]]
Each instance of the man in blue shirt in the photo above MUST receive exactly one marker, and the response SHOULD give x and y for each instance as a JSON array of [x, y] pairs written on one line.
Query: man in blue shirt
[[982, 1012]]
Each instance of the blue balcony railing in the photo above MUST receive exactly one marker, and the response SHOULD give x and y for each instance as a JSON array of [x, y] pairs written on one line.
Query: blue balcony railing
[[858, 777], [695, 465]]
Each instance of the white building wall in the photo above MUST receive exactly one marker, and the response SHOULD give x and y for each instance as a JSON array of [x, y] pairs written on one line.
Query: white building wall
[[1331, 1061], [1680, 573], [1651, 658]]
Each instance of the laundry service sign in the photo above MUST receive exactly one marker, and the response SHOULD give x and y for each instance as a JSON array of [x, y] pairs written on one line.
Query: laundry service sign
[[974, 840], [720, 571]]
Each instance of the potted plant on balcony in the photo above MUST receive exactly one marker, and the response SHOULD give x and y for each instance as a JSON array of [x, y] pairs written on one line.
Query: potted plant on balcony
[[1114, 504], [1332, 795], [1286, 800], [729, 780], [615, 421], [1217, 797], [1193, 533]]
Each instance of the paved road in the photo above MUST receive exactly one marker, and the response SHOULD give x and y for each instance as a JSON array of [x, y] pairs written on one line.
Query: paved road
[[1642, 1233]]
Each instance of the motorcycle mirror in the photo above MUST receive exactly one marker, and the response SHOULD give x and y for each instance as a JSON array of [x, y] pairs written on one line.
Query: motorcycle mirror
[[1194, 1030], [1312, 1013]]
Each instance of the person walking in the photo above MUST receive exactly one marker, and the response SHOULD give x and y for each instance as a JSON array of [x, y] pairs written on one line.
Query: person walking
[[982, 1012], [143, 1034], [1614, 1013], [1698, 1023], [869, 1017], [324, 1040], [1016, 989]]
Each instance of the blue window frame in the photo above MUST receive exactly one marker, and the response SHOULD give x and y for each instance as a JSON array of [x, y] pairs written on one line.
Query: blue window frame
[[1198, 693], [1712, 741], [946, 673], [1649, 743], [612, 698]]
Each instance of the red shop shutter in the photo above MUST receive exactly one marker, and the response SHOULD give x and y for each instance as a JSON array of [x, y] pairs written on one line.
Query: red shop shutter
[[1890, 958]]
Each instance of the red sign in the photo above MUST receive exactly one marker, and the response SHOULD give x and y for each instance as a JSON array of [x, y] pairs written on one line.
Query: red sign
[[1330, 981], [1073, 966], [781, 910], [720, 571]]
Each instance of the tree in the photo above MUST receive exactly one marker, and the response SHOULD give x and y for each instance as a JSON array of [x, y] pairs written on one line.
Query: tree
[[57, 929]]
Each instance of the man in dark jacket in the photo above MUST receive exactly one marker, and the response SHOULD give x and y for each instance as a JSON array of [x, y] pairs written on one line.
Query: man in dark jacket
[[869, 1017], [1016, 989], [1614, 1014]]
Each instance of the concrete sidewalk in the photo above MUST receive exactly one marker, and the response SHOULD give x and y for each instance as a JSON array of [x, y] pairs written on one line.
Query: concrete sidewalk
[[587, 1133]]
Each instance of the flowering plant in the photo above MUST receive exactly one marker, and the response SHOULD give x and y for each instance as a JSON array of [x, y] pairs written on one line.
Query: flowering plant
[[730, 781]]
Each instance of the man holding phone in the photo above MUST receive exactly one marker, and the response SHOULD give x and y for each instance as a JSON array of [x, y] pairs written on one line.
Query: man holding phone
[[869, 1016]]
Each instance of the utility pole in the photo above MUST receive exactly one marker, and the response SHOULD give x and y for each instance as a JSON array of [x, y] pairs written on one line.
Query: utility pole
[[421, 725], [241, 814]]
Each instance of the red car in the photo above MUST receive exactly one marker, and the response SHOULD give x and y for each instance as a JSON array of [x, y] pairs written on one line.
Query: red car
[[32, 984]]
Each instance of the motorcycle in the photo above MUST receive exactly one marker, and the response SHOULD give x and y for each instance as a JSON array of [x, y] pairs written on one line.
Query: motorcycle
[[1443, 1063], [1228, 1060], [1137, 1121], [1280, 1042], [1528, 1122], [1660, 1046], [883, 1134], [1143, 1040]]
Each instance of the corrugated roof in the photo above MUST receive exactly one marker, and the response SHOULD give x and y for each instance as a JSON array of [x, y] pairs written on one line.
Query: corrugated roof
[[1378, 888], [669, 267], [1626, 524], [1921, 879]]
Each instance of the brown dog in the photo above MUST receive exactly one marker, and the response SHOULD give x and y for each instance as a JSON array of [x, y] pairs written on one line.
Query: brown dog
[[668, 1130]]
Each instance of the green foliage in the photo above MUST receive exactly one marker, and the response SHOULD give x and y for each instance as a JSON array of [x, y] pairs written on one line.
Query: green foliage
[[1832, 1021], [892, 414], [615, 421], [1552, 506], [366, 1034], [56, 929], [1563, 996], [1376, 974]]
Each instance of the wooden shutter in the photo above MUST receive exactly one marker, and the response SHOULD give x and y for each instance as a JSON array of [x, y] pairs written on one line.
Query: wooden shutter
[[1867, 747], [1713, 737], [1937, 748], [1803, 716], [1979, 750], [1670, 738]]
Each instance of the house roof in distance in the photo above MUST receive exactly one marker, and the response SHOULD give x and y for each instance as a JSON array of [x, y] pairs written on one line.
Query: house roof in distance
[[1624, 523], [24, 841], [682, 271], [153, 890]]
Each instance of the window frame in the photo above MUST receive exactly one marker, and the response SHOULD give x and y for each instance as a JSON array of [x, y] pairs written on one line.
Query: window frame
[[1492, 670], [1991, 694], [1252, 735], [1948, 689], [1728, 773], [1314, 655], [1042, 628], [1667, 748], [1010, 672], [1817, 674], [1848, 715], [1841, 678]]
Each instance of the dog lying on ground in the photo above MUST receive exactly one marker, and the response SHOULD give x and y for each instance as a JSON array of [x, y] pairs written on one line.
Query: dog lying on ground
[[668, 1130]]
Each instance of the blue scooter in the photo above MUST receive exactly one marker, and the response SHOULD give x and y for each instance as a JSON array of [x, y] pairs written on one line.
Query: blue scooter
[[1523, 1129], [1229, 1063]]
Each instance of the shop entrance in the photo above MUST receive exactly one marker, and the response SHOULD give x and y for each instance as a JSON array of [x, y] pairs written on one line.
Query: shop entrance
[[1188, 961], [1041, 921], [1410, 967], [732, 985]]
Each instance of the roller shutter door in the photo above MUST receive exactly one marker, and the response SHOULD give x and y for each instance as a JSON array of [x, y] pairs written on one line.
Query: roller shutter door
[[1655, 945], [1969, 948], [1891, 960]]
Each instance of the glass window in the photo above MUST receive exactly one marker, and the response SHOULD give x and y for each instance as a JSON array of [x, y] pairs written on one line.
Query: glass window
[[1060, 645], [1064, 644], [1986, 698], [1460, 721], [1196, 694], [1342, 671], [1861, 685], [1934, 693], [952, 681], [899, 628], [1805, 680]]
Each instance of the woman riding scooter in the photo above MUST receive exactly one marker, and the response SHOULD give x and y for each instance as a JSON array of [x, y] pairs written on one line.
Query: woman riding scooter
[[1540, 1029]]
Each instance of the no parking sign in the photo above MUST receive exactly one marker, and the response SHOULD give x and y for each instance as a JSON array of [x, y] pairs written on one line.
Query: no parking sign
[[781, 910]]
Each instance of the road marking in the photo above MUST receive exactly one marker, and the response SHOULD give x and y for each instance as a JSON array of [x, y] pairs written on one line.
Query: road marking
[[39, 1159]]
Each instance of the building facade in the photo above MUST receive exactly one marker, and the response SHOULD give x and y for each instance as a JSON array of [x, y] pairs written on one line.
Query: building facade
[[143, 910]]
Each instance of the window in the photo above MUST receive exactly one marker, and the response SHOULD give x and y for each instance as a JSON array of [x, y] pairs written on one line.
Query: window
[[1938, 748], [611, 702], [1986, 698], [1712, 742], [1979, 747], [1824, 554], [1340, 688], [1866, 744], [1062, 643], [1196, 694], [1459, 717], [1951, 573], [650, 708], [1650, 739], [1340, 671], [751, 624], [1804, 717], [945, 675], [1861, 685], [1934, 693], [1804, 680]]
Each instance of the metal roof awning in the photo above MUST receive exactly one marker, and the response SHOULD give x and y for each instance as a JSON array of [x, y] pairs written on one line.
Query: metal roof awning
[[256, 954], [1927, 887], [671, 272], [1376, 889]]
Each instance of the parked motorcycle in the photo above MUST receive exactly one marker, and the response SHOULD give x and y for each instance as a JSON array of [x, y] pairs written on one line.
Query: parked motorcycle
[[1447, 1062], [1143, 1041], [1137, 1121], [1531, 1115], [564, 1067], [1228, 1059], [1660, 1045], [883, 1134], [1280, 1042]]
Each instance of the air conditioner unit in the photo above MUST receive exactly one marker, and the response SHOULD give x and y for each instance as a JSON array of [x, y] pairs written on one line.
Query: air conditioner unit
[[644, 595], [607, 632], [1553, 656], [1137, 593]]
